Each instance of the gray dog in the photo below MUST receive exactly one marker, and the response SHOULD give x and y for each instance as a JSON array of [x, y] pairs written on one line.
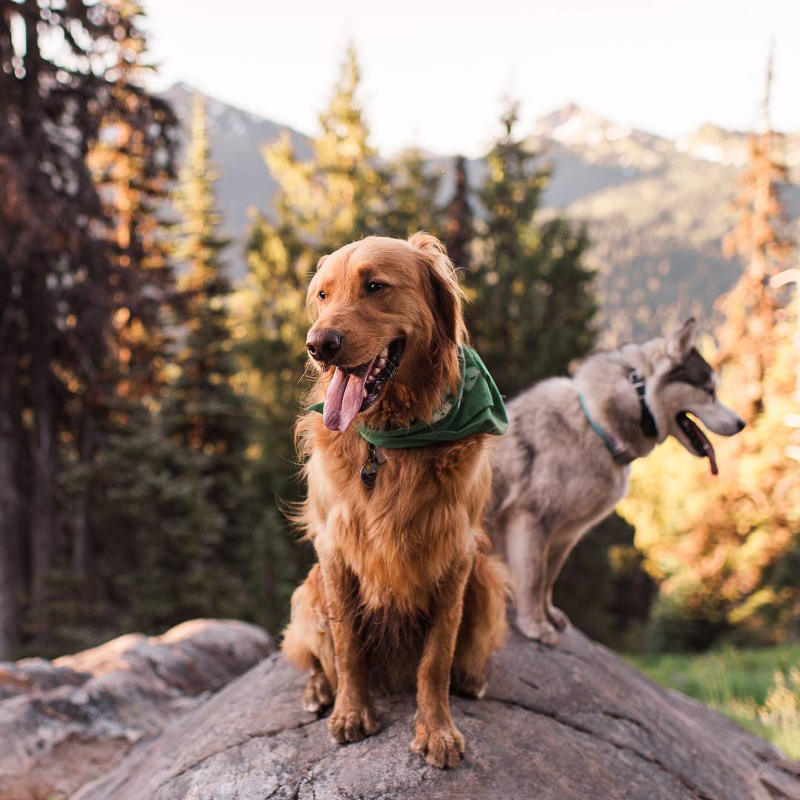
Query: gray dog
[[564, 463]]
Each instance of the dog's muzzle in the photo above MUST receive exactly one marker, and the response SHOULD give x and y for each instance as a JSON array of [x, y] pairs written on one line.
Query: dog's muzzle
[[324, 344]]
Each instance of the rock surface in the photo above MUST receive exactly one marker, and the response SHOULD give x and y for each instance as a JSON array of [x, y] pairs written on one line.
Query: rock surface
[[65, 722], [568, 723]]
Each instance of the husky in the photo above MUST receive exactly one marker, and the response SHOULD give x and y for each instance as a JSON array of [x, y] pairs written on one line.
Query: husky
[[565, 461]]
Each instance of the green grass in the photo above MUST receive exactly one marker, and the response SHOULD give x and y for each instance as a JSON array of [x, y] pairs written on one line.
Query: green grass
[[759, 689]]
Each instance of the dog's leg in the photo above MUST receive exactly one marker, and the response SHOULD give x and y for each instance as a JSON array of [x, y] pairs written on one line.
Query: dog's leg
[[307, 642], [483, 625], [436, 737], [526, 548], [557, 554], [318, 694], [353, 716]]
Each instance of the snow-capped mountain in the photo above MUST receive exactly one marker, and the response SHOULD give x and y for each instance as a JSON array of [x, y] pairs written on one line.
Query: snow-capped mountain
[[600, 141]]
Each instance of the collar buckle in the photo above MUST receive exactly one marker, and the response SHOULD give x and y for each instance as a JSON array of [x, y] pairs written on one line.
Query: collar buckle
[[647, 422]]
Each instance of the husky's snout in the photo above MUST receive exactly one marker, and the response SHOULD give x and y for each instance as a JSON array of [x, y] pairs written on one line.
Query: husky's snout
[[718, 418]]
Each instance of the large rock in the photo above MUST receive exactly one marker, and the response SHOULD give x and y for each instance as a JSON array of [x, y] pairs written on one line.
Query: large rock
[[569, 723], [64, 722]]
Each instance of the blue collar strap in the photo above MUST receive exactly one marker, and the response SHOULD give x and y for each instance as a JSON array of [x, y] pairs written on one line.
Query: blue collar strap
[[618, 449]]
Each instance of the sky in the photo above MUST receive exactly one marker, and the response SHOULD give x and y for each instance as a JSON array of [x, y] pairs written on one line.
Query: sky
[[435, 72]]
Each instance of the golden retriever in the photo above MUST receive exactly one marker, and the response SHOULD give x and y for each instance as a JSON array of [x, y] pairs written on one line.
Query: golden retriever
[[404, 587]]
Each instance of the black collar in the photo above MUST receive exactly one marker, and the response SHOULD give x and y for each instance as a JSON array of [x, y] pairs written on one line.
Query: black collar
[[647, 421]]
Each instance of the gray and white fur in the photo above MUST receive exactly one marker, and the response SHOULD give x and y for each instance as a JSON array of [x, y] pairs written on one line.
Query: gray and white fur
[[554, 477]]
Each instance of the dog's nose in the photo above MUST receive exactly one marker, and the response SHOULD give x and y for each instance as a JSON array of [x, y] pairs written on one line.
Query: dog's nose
[[741, 424], [324, 344]]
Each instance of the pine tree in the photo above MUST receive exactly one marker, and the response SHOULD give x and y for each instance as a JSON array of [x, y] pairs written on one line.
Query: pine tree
[[203, 413], [759, 239], [410, 203], [337, 196], [532, 302], [458, 226]]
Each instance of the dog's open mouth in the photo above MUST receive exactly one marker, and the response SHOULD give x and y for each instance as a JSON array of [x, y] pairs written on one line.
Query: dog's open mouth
[[354, 389], [699, 441]]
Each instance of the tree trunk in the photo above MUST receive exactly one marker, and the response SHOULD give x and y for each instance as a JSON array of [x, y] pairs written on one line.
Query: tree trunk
[[42, 507], [11, 515], [80, 537]]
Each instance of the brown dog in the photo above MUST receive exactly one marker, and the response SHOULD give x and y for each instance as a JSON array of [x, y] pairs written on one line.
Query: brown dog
[[403, 585]]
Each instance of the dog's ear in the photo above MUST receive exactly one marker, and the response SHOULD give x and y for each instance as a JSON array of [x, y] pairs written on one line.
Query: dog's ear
[[311, 292], [447, 294], [681, 341]]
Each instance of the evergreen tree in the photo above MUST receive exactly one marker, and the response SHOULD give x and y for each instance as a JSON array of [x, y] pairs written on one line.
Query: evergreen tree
[[410, 203], [338, 195], [760, 240], [203, 413], [458, 226], [532, 301], [58, 77]]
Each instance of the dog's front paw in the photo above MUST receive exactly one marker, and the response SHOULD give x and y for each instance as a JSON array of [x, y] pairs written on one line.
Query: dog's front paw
[[440, 745], [558, 618], [318, 694], [351, 723], [540, 630]]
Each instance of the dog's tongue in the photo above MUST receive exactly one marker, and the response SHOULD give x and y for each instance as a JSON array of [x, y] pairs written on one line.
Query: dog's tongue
[[343, 399], [708, 448], [711, 456]]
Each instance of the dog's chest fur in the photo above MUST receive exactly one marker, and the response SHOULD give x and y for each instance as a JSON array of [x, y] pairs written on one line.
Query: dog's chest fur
[[400, 537]]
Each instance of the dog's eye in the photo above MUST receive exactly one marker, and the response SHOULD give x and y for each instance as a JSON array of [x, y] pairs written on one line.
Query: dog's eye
[[321, 295], [374, 286]]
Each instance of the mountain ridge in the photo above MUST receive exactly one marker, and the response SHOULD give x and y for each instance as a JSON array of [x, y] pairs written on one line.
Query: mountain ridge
[[656, 208]]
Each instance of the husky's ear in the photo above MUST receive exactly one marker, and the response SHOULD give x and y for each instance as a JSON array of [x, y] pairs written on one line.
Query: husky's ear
[[680, 342]]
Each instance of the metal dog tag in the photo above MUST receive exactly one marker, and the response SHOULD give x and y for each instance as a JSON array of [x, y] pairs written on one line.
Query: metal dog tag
[[369, 471]]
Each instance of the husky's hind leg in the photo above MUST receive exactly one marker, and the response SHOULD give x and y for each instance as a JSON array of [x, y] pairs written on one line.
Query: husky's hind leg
[[526, 549], [557, 554]]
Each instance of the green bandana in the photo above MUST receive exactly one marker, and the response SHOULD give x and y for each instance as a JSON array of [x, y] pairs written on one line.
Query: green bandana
[[476, 408]]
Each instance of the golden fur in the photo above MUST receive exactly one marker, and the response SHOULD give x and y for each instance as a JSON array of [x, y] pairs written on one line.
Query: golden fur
[[404, 587]]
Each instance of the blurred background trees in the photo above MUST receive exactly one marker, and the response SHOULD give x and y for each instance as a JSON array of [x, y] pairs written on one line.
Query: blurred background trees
[[84, 153], [147, 394], [726, 550]]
